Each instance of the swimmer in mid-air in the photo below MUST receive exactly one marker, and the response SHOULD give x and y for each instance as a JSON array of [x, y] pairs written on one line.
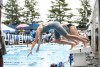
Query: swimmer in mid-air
[[59, 30], [71, 29]]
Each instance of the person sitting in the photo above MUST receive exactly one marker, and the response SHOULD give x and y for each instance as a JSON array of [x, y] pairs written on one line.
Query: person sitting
[[53, 65], [60, 64]]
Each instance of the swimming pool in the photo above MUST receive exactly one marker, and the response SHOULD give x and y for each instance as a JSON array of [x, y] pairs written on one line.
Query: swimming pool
[[17, 55]]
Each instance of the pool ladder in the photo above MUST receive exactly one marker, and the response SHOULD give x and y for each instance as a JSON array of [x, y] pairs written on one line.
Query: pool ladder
[[20, 39]]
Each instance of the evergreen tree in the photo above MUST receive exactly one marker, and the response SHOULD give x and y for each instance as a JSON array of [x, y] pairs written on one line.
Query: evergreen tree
[[58, 10], [12, 11], [32, 11], [84, 13]]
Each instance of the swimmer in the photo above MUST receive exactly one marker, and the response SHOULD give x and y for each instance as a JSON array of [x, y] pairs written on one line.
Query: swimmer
[[71, 29], [59, 30]]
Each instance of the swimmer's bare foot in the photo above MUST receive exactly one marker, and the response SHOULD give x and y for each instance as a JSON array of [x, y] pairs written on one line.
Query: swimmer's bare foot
[[88, 40], [73, 45], [86, 43]]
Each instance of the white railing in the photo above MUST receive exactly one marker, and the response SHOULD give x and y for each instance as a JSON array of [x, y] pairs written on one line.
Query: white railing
[[13, 38]]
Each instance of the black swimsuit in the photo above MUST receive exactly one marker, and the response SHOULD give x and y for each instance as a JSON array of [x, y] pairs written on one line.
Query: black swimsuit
[[69, 25]]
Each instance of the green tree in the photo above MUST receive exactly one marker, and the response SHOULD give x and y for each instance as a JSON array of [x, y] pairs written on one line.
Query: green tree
[[12, 11], [32, 11], [58, 10], [84, 12]]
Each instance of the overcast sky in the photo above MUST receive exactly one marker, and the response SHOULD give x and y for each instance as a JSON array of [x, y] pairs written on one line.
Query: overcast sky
[[44, 5]]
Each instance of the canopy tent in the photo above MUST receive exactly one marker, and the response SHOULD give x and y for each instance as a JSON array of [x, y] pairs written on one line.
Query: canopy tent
[[6, 29], [32, 26]]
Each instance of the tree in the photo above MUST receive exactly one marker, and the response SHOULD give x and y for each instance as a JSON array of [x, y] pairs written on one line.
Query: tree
[[84, 12], [58, 10], [12, 11], [31, 12]]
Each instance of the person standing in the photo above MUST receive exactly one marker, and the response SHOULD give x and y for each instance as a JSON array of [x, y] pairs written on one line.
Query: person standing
[[32, 33], [2, 48], [1, 55], [89, 31]]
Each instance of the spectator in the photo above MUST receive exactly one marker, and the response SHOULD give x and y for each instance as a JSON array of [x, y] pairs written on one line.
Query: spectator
[[60, 64], [89, 31], [71, 59], [53, 65], [2, 49], [48, 35], [32, 33], [96, 39]]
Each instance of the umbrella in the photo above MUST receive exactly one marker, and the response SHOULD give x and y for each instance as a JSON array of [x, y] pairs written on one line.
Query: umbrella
[[22, 25]]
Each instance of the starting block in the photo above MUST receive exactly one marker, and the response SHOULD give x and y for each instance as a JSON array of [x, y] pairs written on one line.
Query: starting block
[[80, 54]]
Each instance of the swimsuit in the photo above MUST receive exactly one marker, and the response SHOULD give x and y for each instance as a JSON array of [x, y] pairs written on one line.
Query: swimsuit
[[59, 30], [67, 27]]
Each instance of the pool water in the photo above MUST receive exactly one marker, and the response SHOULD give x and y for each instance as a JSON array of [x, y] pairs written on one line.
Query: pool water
[[17, 55]]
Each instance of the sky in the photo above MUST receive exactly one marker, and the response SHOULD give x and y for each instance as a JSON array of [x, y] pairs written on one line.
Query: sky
[[44, 5]]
